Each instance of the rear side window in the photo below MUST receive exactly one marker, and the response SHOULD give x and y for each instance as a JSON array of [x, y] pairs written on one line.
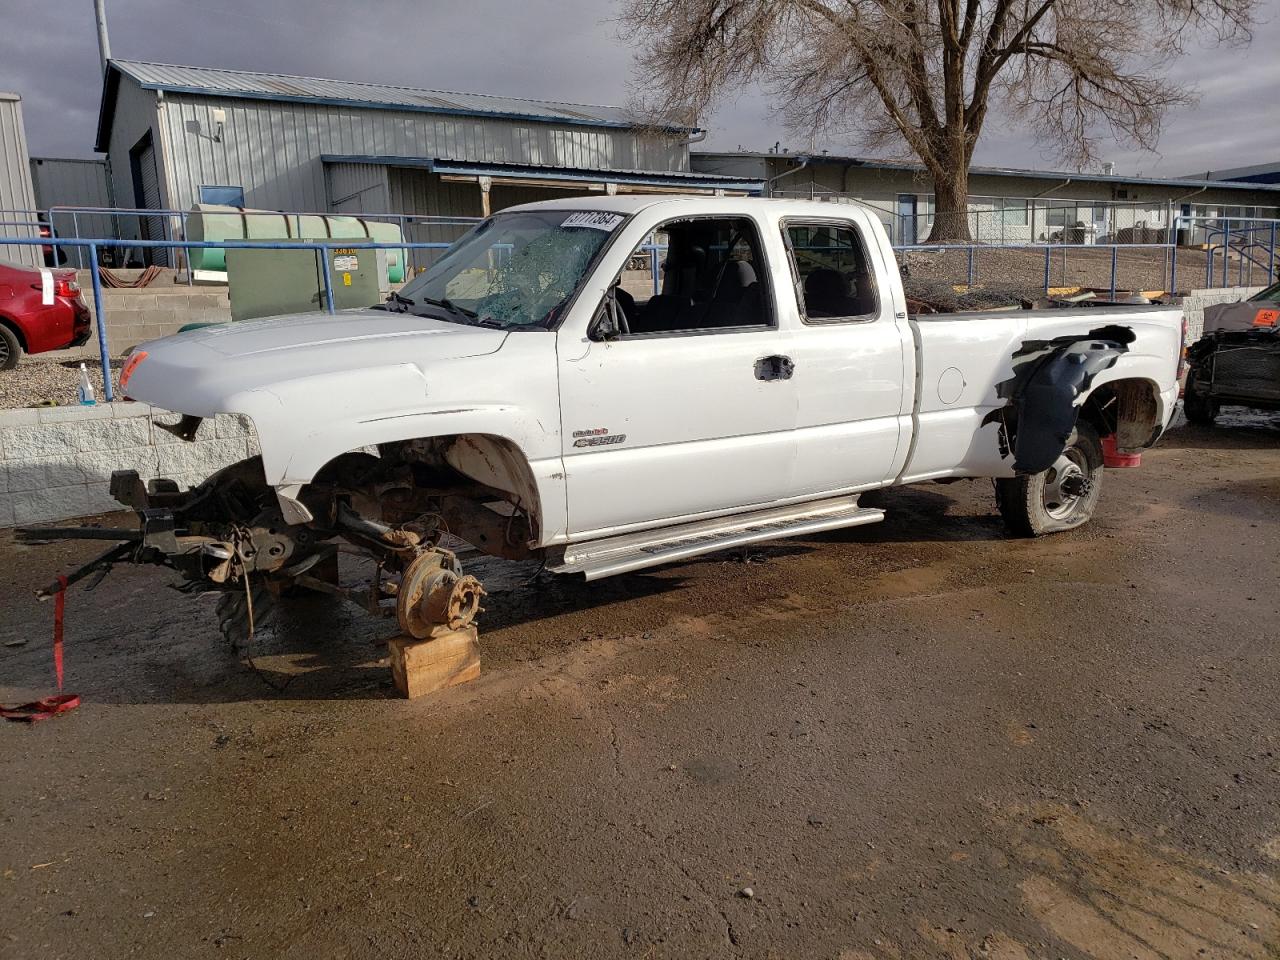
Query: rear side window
[[834, 281]]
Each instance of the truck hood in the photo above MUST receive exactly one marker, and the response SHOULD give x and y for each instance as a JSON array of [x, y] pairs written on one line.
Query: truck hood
[[324, 333], [201, 371]]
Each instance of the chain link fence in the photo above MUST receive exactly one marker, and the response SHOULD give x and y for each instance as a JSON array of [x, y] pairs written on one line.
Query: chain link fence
[[1050, 244], [1033, 271]]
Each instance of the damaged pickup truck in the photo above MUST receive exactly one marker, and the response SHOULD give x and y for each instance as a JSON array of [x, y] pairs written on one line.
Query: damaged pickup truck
[[533, 395]]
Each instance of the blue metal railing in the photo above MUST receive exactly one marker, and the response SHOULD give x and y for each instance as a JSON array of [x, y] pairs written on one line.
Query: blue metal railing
[[1169, 270], [93, 246], [1252, 239], [405, 221]]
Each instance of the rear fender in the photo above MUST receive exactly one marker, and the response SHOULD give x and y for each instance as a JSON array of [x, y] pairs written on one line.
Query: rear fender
[[1050, 383], [1130, 406], [17, 331]]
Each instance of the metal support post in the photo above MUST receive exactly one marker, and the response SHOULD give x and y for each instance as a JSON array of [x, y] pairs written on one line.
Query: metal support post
[[100, 317]]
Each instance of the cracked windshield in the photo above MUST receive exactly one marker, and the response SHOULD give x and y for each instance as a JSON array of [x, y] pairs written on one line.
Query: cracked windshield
[[512, 270]]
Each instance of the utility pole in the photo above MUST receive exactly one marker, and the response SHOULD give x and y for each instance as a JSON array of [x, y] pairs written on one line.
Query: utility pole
[[104, 44]]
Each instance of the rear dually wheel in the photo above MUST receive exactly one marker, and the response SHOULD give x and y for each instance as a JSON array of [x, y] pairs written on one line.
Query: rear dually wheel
[[1060, 498]]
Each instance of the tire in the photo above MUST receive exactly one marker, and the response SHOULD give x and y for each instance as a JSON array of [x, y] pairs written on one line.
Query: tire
[[1034, 505], [1197, 408], [10, 348]]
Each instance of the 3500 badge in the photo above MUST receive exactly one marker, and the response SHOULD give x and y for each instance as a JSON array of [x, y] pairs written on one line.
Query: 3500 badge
[[599, 437]]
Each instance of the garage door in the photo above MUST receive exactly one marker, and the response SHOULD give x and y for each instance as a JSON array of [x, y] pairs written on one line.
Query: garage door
[[146, 186]]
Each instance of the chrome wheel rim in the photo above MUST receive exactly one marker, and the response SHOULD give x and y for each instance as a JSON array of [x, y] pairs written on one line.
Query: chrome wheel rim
[[1066, 483]]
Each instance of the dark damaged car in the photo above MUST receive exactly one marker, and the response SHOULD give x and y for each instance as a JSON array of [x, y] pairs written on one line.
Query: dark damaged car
[[1237, 360]]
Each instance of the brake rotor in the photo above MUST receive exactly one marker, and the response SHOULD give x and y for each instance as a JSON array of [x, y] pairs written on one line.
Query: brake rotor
[[435, 596]]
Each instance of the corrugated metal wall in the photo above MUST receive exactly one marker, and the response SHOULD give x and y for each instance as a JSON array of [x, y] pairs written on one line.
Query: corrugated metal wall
[[135, 115], [72, 183], [16, 192], [511, 195], [426, 195], [273, 149], [62, 182], [357, 188]]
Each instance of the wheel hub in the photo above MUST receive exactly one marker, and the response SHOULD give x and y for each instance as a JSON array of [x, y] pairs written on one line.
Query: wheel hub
[[1066, 483], [436, 597], [1075, 485]]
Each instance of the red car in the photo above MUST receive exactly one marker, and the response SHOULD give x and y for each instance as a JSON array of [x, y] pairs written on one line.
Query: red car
[[30, 322]]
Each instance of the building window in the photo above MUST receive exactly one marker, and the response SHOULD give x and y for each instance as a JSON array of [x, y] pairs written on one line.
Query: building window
[[223, 196], [1014, 212], [1056, 215]]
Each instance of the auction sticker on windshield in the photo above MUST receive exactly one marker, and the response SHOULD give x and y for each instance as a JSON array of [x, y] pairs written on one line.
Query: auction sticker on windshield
[[596, 221]]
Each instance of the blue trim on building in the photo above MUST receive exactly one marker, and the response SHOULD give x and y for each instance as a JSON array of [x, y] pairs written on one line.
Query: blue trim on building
[[1255, 178]]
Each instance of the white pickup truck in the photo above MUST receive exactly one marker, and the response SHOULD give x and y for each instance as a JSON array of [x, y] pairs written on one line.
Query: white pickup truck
[[534, 395]]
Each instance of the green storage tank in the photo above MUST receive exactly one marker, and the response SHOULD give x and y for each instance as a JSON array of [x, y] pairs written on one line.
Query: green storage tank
[[209, 221], [269, 283]]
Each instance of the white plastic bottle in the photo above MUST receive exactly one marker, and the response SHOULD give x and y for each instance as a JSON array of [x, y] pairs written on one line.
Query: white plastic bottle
[[87, 398]]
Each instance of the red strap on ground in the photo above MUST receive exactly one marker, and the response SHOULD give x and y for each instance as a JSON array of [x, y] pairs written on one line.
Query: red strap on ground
[[47, 707], [59, 607], [42, 709]]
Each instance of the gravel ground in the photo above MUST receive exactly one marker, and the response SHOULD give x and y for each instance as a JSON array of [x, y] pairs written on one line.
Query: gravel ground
[[912, 740], [47, 378]]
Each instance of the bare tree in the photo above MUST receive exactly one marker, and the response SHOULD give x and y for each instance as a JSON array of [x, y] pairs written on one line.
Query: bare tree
[[924, 74]]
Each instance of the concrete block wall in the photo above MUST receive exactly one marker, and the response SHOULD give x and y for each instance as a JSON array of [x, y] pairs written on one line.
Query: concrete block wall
[[1194, 303], [56, 462], [133, 316]]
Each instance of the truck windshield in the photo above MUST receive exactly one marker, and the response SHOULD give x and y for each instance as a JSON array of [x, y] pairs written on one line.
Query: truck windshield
[[513, 270]]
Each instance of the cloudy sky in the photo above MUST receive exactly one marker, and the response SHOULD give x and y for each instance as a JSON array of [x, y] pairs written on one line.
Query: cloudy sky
[[560, 49]]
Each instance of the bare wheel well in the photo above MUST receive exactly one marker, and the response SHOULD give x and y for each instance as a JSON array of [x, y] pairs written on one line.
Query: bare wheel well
[[478, 487], [1130, 409], [499, 463]]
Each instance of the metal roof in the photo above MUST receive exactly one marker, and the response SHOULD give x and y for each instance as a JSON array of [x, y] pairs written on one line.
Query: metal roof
[[665, 178], [245, 84], [1256, 173], [869, 163]]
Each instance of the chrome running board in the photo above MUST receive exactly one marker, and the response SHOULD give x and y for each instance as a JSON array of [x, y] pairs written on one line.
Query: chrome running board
[[634, 551]]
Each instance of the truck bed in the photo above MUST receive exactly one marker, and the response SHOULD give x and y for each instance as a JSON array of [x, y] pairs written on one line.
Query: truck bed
[[963, 358]]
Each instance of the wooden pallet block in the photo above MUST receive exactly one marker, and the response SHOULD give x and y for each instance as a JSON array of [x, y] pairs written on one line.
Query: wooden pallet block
[[420, 667]]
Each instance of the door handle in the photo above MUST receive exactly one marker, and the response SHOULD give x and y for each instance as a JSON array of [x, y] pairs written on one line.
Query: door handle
[[774, 368]]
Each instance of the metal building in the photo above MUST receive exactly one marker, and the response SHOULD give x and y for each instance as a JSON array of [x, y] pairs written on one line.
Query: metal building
[[17, 198], [178, 135], [1006, 204], [61, 182], [1258, 173]]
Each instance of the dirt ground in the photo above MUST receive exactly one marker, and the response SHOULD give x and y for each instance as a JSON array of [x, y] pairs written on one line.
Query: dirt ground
[[911, 740], [1137, 268]]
